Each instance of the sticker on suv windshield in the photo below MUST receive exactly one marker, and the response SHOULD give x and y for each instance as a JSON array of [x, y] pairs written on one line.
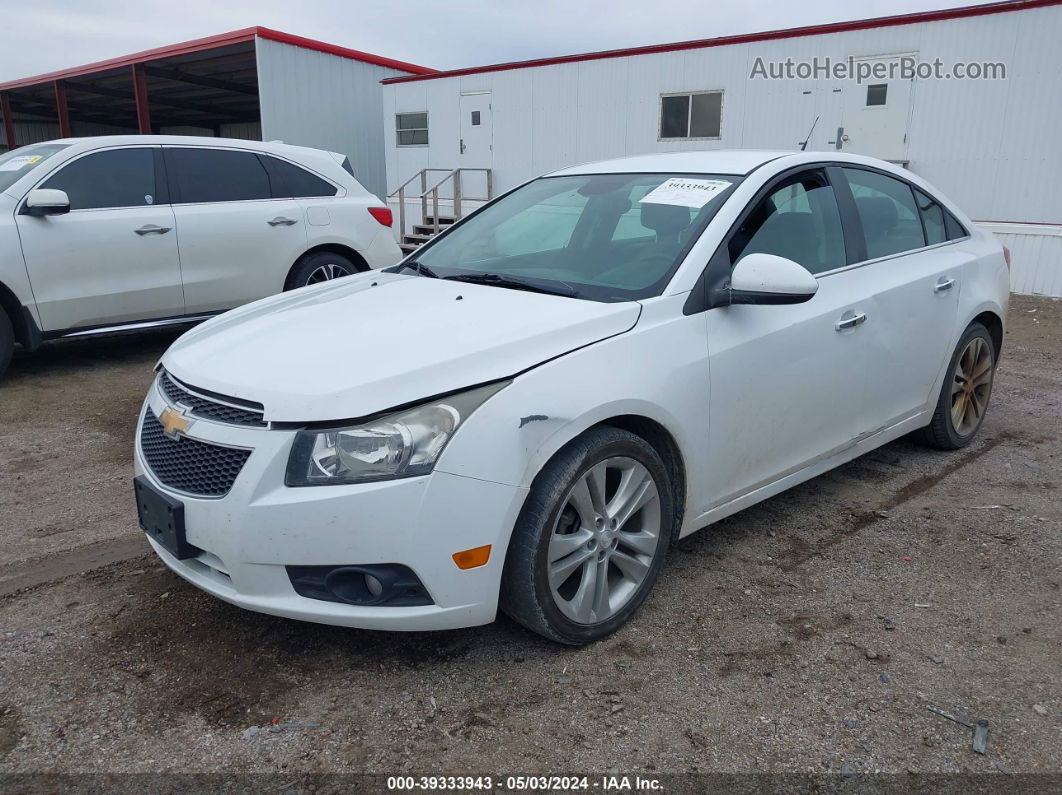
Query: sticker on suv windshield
[[20, 161], [685, 192]]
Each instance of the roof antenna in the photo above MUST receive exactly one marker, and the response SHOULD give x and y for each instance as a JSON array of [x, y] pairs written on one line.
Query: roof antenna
[[804, 145]]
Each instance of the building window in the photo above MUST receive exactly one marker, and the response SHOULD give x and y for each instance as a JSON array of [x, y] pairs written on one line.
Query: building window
[[412, 129], [876, 94], [691, 116]]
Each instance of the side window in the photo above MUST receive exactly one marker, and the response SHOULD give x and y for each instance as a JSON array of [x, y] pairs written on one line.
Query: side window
[[955, 230], [798, 221], [115, 178], [218, 175], [289, 181], [887, 210], [932, 219]]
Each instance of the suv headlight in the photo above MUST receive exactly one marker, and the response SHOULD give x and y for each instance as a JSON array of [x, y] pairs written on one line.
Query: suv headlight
[[398, 445]]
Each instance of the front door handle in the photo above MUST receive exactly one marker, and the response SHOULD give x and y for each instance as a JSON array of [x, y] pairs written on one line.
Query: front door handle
[[851, 322], [281, 221], [943, 285], [152, 229]]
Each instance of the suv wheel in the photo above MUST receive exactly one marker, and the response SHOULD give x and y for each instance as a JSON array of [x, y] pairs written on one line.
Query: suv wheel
[[591, 538], [964, 395], [320, 266]]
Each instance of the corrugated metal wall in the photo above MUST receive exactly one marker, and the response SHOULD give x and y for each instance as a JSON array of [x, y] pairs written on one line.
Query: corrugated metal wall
[[992, 146], [311, 98]]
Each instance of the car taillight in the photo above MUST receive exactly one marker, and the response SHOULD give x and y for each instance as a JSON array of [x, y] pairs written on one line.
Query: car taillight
[[1006, 256], [382, 214]]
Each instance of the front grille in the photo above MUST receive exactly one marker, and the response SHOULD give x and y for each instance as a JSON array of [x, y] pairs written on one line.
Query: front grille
[[199, 405], [189, 465]]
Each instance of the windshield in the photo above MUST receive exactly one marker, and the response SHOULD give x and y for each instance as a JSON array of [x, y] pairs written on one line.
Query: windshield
[[607, 237], [17, 163]]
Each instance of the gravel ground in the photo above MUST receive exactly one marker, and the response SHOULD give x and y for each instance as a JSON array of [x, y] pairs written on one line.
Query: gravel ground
[[809, 633]]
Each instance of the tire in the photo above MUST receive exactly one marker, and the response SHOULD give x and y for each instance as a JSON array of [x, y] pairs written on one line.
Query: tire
[[550, 520], [320, 266], [945, 431], [7, 342]]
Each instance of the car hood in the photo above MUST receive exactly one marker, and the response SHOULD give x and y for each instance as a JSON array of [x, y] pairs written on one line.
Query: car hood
[[379, 340]]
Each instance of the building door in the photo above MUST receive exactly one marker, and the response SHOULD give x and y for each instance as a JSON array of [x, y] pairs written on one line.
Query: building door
[[876, 114], [477, 130]]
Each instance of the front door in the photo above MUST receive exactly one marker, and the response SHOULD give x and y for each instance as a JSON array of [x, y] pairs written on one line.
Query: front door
[[237, 243], [876, 112], [477, 130], [113, 258], [786, 380]]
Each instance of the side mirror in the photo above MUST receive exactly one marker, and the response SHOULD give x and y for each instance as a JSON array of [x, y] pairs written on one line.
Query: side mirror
[[767, 279], [47, 201]]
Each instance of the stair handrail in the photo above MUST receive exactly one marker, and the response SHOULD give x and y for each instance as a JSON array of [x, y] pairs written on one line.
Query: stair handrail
[[433, 191]]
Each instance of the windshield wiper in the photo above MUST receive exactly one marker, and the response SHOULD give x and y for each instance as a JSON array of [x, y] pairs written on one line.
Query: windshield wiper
[[417, 267], [497, 280]]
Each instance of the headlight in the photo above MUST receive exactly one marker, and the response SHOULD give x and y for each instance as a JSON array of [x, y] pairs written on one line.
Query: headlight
[[399, 445]]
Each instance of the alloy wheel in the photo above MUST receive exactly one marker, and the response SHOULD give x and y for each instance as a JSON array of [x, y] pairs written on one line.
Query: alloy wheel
[[971, 386], [326, 273], [604, 541]]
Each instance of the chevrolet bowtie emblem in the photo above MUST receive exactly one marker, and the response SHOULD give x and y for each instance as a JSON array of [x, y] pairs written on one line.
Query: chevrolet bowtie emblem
[[174, 423]]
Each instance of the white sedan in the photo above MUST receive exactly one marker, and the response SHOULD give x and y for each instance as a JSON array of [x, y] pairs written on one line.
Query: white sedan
[[532, 410]]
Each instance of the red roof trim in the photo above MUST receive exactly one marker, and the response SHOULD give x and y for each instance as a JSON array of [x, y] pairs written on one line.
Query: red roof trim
[[344, 52], [213, 42], [745, 38]]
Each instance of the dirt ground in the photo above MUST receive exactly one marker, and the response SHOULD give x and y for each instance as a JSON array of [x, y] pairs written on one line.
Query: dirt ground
[[810, 633]]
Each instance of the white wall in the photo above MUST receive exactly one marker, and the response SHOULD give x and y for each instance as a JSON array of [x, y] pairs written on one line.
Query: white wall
[[311, 98], [993, 147]]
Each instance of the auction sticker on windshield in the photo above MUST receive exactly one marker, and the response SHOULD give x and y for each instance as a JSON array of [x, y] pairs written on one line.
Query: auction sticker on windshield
[[685, 192], [21, 161]]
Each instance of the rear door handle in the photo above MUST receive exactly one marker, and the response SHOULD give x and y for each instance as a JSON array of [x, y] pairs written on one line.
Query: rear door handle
[[851, 322], [152, 229], [943, 285], [281, 221]]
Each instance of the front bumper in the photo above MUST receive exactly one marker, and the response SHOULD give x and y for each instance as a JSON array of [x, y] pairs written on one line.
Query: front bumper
[[261, 526]]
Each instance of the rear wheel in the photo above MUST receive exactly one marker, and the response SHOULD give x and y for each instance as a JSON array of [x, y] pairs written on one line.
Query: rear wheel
[[964, 395], [591, 539], [7, 342], [320, 266]]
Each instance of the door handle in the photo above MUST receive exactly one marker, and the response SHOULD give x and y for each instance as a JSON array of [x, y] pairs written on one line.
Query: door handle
[[462, 146], [851, 322], [281, 221], [152, 229], [943, 285]]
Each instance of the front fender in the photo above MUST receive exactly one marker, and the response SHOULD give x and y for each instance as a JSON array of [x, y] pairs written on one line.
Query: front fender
[[658, 370]]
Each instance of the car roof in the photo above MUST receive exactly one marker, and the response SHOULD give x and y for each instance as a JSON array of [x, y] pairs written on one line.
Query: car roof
[[715, 161], [101, 141]]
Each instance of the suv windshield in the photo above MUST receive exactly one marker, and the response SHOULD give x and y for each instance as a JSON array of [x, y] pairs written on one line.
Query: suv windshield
[[17, 163], [606, 237]]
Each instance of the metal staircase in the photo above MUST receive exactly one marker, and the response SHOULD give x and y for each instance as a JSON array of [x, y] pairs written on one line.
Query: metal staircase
[[432, 221]]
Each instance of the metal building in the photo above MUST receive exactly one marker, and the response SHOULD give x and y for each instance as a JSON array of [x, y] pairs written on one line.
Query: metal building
[[992, 145], [253, 83]]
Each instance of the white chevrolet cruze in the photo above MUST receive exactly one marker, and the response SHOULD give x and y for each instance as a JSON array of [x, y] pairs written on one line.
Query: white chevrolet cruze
[[530, 411], [117, 233]]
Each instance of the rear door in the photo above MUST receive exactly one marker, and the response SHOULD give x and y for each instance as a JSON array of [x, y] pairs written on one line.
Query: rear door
[[786, 380], [237, 241], [915, 273], [113, 258]]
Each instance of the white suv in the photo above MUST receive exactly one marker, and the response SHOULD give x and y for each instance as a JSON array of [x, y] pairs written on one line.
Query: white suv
[[120, 232]]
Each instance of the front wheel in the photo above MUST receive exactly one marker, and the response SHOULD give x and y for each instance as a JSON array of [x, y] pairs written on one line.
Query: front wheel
[[320, 266], [591, 538], [964, 396]]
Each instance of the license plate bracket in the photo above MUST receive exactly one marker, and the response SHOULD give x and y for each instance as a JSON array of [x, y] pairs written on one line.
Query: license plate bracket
[[162, 518]]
